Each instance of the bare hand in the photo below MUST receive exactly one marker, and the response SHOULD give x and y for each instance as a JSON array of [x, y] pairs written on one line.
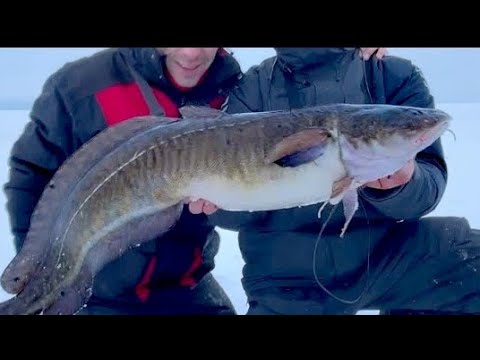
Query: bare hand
[[366, 53], [398, 178], [201, 206]]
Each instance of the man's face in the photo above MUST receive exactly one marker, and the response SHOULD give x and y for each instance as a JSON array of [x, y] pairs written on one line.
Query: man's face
[[187, 65]]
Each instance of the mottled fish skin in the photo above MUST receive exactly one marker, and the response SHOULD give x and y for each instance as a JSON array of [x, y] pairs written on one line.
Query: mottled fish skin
[[127, 185], [46, 215]]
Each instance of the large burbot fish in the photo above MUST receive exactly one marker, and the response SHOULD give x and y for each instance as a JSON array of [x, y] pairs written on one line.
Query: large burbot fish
[[128, 184]]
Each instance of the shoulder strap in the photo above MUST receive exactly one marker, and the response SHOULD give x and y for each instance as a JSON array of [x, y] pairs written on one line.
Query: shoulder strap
[[367, 77], [292, 93], [147, 93], [358, 82], [374, 84]]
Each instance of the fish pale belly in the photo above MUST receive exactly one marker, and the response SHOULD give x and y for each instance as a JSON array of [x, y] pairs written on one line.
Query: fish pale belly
[[271, 187]]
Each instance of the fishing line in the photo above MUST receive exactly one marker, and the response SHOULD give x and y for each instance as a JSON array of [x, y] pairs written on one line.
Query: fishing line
[[345, 301]]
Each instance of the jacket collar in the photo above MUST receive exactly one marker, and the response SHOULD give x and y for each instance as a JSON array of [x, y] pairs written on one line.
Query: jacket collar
[[295, 59]]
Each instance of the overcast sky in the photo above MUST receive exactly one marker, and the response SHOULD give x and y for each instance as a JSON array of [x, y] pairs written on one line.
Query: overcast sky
[[452, 73]]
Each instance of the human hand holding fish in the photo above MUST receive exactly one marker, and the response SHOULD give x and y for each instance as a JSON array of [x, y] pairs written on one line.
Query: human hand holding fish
[[398, 178], [201, 206]]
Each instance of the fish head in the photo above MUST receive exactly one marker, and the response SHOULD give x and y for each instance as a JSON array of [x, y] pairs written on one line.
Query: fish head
[[377, 140]]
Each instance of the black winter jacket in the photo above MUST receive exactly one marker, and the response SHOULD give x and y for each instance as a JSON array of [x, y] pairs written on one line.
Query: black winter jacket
[[278, 246]]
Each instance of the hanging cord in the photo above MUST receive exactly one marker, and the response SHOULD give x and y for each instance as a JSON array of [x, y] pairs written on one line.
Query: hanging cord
[[314, 262]]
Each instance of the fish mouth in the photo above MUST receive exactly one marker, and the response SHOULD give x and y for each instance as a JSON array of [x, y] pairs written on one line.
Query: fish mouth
[[429, 136]]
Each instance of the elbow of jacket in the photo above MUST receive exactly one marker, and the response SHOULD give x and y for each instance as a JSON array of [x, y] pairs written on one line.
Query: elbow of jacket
[[437, 198]]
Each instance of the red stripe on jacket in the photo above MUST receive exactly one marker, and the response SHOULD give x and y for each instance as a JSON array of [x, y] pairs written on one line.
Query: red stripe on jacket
[[142, 290], [125, 101]]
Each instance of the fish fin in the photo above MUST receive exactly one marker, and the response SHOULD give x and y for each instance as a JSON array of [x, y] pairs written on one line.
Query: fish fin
[[350, 206], [339, 188], [73, 298], [200, 112], [66, 301], [299, 148], [12, 306], [345, 190]]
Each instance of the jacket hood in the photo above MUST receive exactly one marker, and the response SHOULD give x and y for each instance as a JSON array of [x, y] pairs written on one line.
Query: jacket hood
[[297, 58]]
